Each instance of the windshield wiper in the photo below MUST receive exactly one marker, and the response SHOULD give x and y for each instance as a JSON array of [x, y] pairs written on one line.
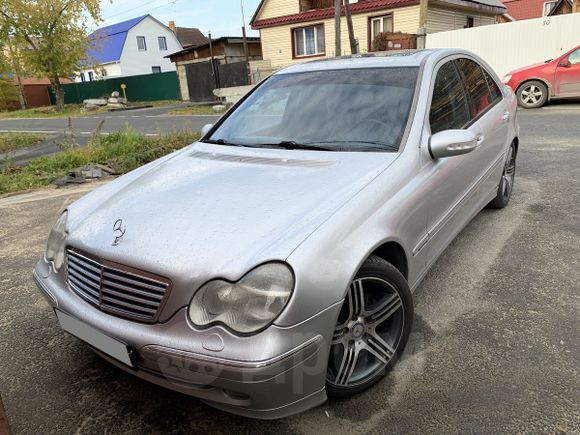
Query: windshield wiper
[[224, 142], [292, 145], [372, 145]]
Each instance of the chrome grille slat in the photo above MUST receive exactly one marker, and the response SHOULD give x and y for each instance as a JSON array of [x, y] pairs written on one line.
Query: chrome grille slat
[[117, 277], [81, 262], [116, 289], [84, 291], [83, 275], [107, 291], [137, 292], [106, 300]]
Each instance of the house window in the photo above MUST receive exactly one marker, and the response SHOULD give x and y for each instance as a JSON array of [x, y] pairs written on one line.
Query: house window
[[549, 7], [381, 25], [470, 23], [83, 77], [155, 69], [309, 41], [162, 43], [91, 76], [141, 44]]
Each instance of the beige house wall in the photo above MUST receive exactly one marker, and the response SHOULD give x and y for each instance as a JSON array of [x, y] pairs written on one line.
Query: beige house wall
[[442, 20], [278, 8], [277, 41]]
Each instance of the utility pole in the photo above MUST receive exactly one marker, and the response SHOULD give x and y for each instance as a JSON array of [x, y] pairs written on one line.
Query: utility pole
[[353, 43], [245, 40], [337, 49], [213, 68]]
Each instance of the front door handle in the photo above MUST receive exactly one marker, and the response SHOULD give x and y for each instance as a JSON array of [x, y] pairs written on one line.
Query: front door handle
[[479, 139], [506, 116]]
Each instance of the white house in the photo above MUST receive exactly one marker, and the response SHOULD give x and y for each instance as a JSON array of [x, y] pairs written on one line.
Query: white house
[[133, 47]]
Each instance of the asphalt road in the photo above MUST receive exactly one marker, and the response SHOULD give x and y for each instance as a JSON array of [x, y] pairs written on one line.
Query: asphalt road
[[149, 121], [495, 347]]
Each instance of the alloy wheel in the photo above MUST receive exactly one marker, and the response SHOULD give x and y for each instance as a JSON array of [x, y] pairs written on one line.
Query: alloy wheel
[[367, 334], [531, 95]]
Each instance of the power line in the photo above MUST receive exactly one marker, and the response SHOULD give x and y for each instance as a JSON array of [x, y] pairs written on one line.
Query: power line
[[140, 7]]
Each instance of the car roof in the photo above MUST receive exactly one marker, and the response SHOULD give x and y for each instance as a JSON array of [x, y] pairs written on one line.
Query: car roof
[[401, 58]]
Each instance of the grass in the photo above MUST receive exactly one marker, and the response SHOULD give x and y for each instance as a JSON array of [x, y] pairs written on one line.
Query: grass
[[75, 110], [123, 151], [12, 141], [70, 110], [194, 110]]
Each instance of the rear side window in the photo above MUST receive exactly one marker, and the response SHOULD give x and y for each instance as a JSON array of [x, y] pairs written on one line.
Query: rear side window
[[449, 108], [476, 86], [493, 87]]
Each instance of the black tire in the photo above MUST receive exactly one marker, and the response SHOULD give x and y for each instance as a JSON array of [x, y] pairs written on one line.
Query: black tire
[[506, 183], [375, 272], [532, 94]]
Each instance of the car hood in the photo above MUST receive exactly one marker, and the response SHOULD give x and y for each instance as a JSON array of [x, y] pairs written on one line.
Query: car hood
[[217, 211], [536, 66]]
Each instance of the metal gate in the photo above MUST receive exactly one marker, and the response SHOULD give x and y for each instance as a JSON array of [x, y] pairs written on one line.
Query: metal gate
[[202, 78], [200, 81]]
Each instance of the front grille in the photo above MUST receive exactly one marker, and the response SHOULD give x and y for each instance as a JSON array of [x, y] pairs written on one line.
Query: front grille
[[115, 288]]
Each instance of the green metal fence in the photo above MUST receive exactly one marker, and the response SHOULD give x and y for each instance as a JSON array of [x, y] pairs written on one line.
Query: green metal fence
[[148, 87]]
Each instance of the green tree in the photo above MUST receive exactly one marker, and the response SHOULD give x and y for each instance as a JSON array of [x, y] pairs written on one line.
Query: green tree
[[54, 33]]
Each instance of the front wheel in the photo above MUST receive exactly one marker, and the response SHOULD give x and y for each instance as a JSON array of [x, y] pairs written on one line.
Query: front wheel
[[372, 329], [532, 94]]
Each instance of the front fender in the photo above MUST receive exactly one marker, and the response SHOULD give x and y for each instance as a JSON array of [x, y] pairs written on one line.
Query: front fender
[[326, 262]]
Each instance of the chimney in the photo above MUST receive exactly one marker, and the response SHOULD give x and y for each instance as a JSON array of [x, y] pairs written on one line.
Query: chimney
[[172, 26]]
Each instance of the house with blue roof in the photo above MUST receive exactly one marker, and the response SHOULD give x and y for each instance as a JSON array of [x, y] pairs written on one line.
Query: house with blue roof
[[133, 47]]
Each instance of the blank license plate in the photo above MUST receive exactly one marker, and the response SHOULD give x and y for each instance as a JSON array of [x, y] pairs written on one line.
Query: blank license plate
[[97, 339]]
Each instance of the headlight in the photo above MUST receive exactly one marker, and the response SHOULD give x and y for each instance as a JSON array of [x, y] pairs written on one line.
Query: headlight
[[247, 305], [56, 242], [507, 78]]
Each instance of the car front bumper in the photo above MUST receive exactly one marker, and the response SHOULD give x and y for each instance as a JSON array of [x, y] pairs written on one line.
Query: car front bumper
[[278, 372]]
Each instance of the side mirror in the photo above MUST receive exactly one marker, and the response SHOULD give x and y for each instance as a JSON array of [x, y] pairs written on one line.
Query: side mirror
[[565, 63], [452, 143], [205, 129]]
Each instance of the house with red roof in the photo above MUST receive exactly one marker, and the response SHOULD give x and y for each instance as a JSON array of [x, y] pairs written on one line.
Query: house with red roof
[[528, 9], [296, 30]]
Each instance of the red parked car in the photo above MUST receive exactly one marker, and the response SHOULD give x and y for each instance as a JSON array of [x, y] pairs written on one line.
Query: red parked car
[[537, 84]]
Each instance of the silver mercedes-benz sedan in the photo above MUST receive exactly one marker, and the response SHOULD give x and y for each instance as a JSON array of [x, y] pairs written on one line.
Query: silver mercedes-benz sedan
[[272, 263]]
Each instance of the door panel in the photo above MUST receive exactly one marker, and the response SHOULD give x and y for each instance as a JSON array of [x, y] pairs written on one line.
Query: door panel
[[568, 77], [449, 179]]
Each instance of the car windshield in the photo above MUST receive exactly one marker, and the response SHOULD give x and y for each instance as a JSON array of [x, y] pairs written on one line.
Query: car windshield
[[338, 110]]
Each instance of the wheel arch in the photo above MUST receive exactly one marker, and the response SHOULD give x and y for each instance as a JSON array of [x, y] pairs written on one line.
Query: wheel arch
[[392, 252], [537, 79]]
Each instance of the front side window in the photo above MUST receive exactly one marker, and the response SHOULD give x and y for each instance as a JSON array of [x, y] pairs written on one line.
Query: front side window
[[574, 57], [381, 25], [476, 86], [342, 110], [141, 44], [449, 108], [162, 43], [309, 41]]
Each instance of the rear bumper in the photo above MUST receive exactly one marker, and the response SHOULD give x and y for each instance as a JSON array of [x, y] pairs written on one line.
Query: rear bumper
[[277, 373]]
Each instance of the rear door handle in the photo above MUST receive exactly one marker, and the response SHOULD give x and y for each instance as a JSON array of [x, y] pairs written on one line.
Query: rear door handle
[[506, 116]]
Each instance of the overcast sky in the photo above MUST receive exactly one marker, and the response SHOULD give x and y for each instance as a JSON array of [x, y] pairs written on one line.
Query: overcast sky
[[222, 17]]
